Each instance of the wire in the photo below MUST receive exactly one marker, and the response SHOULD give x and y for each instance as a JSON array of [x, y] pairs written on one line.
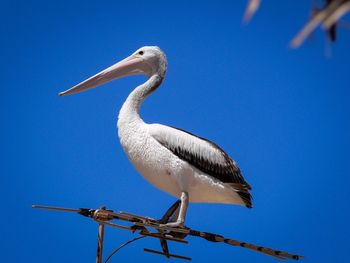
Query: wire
[[125, 244]]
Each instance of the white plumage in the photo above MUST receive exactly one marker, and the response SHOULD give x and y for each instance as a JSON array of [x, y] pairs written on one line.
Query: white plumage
[[186, 166], [167, 171]]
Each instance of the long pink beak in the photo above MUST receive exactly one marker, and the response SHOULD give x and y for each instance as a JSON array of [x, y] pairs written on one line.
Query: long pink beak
[[129, 66]]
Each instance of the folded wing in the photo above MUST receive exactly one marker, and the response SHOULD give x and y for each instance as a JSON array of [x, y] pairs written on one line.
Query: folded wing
[[204, 155]]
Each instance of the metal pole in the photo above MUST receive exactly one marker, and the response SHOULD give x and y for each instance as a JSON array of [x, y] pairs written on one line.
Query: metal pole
[[56, 208], [101, 230]]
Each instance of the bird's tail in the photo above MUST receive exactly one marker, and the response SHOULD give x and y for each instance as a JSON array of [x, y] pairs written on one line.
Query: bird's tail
[[243, 191]]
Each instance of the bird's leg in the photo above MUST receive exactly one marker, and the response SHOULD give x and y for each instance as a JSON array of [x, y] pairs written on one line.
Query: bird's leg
[[182, 212], [183, 208]]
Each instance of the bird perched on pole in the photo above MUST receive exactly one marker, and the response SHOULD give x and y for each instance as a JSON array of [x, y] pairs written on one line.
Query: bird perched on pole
[[180, 163]]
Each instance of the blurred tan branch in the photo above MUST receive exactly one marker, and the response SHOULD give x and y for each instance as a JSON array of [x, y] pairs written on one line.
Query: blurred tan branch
[[327, 17], [337, 14], [252, 7]]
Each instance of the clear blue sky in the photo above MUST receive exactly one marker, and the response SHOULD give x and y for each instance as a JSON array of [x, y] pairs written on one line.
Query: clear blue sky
[[282, 114]]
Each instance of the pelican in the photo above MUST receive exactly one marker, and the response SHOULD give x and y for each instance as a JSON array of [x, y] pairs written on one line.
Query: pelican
[[186, 166]]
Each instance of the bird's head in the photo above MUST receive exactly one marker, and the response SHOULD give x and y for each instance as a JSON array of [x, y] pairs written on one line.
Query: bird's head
[[148, 60]]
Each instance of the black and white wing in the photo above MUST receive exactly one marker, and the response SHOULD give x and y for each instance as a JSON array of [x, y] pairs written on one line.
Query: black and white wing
[[204, 155]]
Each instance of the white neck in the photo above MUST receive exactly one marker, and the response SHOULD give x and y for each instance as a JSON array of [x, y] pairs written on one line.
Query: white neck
[[130, 111]]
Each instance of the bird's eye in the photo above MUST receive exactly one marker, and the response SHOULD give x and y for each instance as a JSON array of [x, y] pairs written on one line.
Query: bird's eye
[[141, 52]]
